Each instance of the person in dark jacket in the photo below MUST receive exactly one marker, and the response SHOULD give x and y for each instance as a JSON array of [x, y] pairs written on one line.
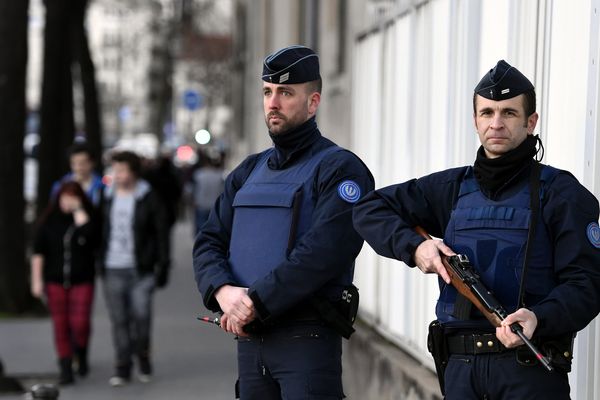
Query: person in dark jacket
[[82, 164], [530, 231], [278, 248], [62, 269], [135, 260]]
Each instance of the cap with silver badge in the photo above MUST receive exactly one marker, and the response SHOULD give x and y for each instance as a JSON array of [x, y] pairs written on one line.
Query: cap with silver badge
[[293, 64]]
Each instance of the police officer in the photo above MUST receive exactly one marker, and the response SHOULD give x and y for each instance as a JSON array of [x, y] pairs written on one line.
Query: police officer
[[530, 231], [277, 253]]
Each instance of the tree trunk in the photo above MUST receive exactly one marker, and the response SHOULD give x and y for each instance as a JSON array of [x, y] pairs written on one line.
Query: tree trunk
[[57, 125], [93, 126], [13, 63]]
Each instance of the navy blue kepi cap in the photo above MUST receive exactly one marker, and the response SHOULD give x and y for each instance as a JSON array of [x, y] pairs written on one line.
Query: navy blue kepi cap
[[293, 64], [503, 82]]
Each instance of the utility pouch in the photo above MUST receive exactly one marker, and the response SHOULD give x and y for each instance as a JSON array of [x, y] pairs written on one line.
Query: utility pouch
[[339, 315], [438, 347], [560, 352], [348, 305]]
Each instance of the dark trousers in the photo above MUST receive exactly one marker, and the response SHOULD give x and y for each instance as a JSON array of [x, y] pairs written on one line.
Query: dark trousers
[[500, 377], [291, 363], [129, 302], [70, 310]]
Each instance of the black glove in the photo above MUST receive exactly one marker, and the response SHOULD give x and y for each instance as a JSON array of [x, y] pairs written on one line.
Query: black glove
[[162, 277]]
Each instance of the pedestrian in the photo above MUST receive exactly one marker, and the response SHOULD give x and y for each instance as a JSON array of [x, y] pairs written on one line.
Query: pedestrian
[[135, 259], [277, 252], [208, 184], [82, 164], [529, 230], [166, 181], [63, 269]]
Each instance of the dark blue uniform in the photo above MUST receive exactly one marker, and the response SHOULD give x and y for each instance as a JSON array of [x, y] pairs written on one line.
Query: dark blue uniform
[[292, 353], [563, 284]]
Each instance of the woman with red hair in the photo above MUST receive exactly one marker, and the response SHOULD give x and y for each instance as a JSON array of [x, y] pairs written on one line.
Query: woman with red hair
[[62, 269]]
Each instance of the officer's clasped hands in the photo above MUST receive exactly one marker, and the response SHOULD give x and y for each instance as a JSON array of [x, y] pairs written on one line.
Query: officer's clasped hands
[[428, 260], [238, 309]]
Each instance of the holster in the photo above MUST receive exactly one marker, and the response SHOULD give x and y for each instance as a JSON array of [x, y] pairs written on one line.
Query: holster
[[341, 314], [438, 347]]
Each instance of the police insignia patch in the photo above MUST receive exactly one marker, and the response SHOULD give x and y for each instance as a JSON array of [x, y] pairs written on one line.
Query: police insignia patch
[[349, 191], [593, 234]]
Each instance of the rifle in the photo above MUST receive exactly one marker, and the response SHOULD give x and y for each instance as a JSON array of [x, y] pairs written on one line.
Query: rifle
[[216, 320], [466, 281]]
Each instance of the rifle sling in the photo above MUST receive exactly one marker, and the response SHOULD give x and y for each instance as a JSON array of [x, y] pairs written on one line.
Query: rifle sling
[[534, 204]]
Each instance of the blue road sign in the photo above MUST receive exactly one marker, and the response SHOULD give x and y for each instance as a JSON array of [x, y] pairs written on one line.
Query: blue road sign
[[124, 113], [192, 99]]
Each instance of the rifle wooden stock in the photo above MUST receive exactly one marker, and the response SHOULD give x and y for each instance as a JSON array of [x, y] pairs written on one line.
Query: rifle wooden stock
[[462, 287]]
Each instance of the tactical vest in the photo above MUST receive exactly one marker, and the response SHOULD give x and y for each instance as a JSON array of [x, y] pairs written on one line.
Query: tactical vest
[[493, 234], [272, 211]]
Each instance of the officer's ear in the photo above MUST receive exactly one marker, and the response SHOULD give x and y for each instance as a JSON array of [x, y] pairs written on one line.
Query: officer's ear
[[532, 122], [314, 99]]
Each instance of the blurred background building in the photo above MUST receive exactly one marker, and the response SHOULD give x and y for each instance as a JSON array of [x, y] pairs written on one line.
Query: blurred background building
[[398, 80]]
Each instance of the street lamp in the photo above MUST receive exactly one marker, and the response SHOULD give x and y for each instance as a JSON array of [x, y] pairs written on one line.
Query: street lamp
[[202, 136]]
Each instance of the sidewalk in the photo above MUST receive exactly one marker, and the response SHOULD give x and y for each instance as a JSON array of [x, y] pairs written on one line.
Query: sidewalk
[[192, 360]]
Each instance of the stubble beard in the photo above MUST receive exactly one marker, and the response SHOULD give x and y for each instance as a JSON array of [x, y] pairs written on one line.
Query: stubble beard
[[283, 124]]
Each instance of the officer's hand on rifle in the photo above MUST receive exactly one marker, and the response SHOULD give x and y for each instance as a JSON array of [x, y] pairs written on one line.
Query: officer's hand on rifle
[[428, 260], [237, 307], [523, 317]]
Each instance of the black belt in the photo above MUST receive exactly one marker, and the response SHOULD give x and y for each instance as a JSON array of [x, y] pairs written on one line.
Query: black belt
[[474, 344]]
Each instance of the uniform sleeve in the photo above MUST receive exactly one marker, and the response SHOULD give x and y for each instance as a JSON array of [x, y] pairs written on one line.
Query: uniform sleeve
[[568, 211], [211, 268], [386, 217], [326, 250]]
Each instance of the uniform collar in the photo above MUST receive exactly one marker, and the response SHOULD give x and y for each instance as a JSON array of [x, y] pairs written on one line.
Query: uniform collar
[[289, 144]]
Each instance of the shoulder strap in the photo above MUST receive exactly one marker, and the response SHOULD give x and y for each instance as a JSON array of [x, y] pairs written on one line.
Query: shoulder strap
[[534, 204], [469, 183]]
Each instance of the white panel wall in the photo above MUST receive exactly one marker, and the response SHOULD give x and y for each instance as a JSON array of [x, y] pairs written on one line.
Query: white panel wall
[[412, 114], [366, 122], [567, 88]]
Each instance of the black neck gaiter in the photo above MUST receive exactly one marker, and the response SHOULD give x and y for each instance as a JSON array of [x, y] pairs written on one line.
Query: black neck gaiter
[[292, 141], [493, 173]]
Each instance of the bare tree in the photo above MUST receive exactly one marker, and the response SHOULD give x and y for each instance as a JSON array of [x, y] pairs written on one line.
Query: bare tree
[[57, 126], [65, 46], [13, 63]]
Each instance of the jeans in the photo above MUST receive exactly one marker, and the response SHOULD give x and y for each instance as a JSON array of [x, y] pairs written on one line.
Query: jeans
[[129, 300]]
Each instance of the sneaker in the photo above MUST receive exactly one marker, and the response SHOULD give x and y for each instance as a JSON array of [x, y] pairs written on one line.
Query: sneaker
[[145, 378], [118, 381], [121, 376]]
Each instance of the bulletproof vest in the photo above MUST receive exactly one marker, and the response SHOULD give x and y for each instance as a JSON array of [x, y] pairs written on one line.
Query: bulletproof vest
[[272, 211], [493, 234]]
